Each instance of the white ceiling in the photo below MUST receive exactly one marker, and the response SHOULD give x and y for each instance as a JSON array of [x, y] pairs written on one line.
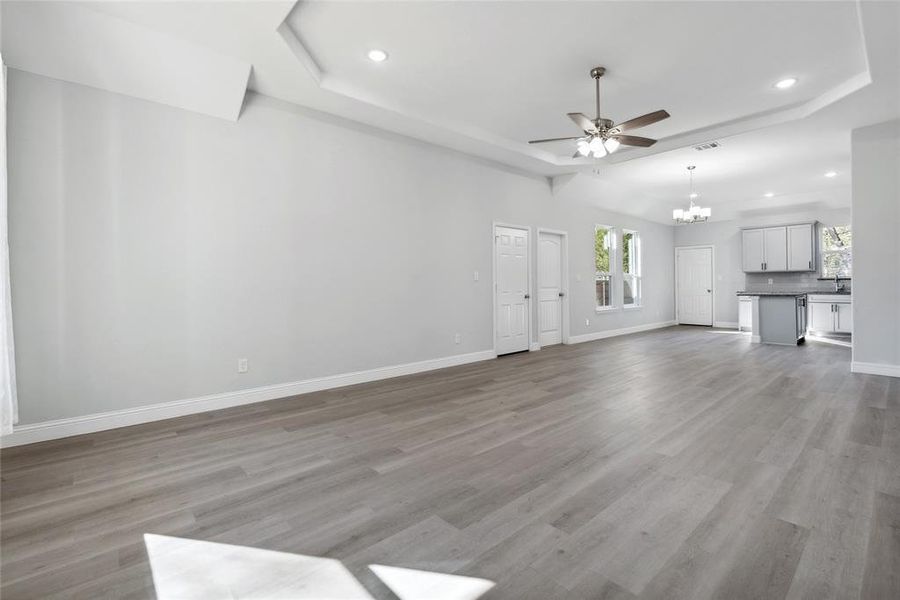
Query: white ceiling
[[515, 69], [484, 77]]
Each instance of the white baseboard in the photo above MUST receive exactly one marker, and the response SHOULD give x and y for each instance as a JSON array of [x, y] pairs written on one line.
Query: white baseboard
[[534, 347], [875, 369], [599, 335], [725, 324], [755, 339], [62, 428]]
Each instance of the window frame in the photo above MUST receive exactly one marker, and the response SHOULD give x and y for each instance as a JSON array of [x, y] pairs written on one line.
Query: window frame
[[635, 274], [611, 237]]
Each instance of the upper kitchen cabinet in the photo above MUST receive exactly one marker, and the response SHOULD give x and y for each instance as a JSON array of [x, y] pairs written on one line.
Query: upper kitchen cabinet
[[775, 242], [754, 255], [801, 244], [779, 249]]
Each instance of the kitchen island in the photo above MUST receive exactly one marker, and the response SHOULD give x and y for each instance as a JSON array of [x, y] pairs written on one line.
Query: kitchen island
[[778, 317]]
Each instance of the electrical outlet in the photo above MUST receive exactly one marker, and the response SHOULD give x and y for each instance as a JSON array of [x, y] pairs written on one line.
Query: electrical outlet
[[457, 338], [475, 276], [578, 277], [243, 365], [771, 281], [587, 322]]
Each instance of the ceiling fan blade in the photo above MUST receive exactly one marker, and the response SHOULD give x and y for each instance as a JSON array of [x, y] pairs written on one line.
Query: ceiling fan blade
[[555, 139], [582, 121], [641, 121], [633, 140]]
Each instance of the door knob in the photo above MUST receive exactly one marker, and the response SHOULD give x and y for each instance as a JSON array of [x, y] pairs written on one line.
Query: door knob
[[708, 291], [561, 294], [527, 296]]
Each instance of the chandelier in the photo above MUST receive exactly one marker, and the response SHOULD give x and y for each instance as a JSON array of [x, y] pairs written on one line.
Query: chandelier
[[693, 214]]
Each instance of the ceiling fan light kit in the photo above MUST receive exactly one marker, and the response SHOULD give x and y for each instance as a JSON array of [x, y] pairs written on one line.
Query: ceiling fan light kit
[[601, 137], [694, 213]]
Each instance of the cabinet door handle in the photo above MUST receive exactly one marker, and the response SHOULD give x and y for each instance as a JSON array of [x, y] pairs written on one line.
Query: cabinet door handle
[[810, 265]]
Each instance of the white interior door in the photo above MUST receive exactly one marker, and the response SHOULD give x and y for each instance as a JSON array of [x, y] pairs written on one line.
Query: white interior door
[[511, 297], [694, 285], [550, 288]]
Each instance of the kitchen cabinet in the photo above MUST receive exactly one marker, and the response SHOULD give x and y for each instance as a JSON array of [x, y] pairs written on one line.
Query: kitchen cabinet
[[775, 248], [745, 314], [753, 255], [800, 247], [830, 313], [782, 249], [821, 316], [843, 317]]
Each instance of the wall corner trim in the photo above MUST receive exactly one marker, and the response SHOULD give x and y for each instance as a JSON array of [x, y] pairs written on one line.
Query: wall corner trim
[[63, 428], [875, 369], [599, 335]]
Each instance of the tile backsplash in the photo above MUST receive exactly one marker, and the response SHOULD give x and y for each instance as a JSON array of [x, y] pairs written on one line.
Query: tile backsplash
[[789, 282]]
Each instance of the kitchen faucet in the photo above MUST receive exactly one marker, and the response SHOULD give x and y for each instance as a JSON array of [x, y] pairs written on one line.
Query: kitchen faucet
[[837, 286]]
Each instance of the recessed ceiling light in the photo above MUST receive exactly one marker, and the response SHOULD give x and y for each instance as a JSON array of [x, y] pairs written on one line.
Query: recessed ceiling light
[[769, 194], [831, 174], [377, 55], [786, 83]]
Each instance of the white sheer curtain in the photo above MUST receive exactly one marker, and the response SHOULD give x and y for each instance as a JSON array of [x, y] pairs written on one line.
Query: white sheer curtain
[[9, 405]]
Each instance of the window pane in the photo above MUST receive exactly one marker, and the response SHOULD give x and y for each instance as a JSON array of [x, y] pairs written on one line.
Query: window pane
[[836, 262], [604, 290], [627, 251], [628, 289], [601, 249], [837, 256], [836, 238], [631, 290]]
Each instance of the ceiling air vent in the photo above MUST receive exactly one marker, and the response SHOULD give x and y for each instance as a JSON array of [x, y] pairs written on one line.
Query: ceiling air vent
[[706, 146]]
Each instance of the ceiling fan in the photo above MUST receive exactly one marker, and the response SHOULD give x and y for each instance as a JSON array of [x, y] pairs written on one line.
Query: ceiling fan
[[601, 137]]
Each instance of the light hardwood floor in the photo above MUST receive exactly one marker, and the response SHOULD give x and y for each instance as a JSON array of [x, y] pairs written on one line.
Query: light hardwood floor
[[679, 463]]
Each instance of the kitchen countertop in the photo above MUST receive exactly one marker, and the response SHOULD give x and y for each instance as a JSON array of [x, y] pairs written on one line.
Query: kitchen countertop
[[777, 293], [771, 293]]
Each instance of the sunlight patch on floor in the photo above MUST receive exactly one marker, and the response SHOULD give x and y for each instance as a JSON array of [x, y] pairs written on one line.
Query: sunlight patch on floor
[[186, 569], [413, 584]]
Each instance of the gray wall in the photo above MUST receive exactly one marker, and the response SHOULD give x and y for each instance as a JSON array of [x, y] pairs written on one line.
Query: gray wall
[[725, 237], [876, 244], [152, 247]]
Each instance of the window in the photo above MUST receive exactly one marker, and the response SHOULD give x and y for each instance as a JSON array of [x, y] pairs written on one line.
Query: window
[[604, 261], [631, 268], [837, 256]]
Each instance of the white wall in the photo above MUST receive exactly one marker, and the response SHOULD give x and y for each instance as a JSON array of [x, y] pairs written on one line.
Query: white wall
[[876, 248], [152, 247], [725, 237]]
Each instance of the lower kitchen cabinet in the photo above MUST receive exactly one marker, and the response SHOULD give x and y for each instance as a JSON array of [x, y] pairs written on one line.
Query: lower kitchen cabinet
[[745, 314], [830, 313]]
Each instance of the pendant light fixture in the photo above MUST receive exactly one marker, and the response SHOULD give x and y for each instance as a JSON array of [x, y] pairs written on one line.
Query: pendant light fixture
[[693, 214]]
